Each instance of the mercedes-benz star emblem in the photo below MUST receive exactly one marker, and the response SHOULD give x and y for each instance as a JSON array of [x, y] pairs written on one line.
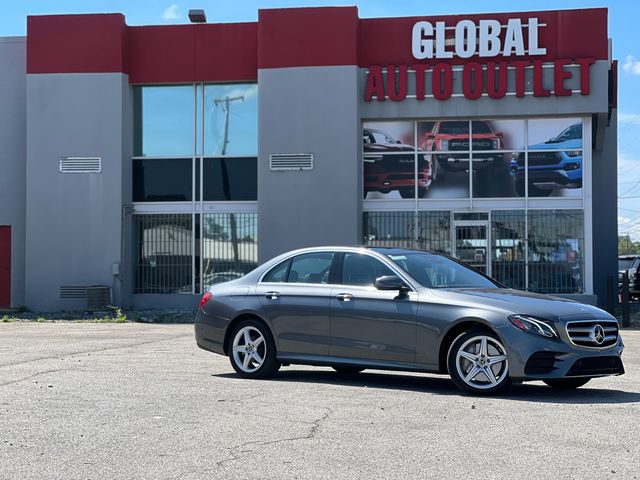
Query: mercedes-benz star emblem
[[597, 334]]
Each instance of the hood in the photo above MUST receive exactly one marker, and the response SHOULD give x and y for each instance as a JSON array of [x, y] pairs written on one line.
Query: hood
[[387, 147], [575, 144], [525, 303]]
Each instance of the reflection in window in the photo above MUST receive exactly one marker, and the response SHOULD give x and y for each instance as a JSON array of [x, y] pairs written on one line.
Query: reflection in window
[[362, 270], [508, 250], [164, 120], [230, 179], [389, 229], [162, 180], [434, 231], [311, 268], [229, 246], [231, 119], [163, 253], [556, 250]]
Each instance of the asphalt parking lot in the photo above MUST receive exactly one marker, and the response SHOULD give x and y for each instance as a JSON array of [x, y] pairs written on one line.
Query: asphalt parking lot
[[140, 401]]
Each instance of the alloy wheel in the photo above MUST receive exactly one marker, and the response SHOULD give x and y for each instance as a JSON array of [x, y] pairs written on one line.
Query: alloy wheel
[[249, 349], [482, 363]]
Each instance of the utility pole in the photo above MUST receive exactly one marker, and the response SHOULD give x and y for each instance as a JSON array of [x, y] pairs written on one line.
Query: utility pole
[[226, 105]]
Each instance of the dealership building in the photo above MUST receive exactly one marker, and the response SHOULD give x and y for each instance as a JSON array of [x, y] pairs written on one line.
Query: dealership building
[[158, 160]]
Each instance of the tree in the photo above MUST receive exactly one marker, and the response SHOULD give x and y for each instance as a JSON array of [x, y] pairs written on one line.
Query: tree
[[626, 246]]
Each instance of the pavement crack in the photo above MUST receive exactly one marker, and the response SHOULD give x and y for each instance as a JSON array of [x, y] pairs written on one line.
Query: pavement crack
[[11, 382], [95, 350], [236, 452]]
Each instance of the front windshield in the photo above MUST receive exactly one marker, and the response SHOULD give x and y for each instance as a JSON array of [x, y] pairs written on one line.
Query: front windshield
[[438, 271], [574, 132], [624, 264]]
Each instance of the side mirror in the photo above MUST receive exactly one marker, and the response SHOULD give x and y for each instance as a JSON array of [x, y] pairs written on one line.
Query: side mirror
[[391, 282], [430, 136], [398, 142]]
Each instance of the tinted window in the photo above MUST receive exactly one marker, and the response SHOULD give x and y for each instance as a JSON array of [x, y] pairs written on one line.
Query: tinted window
[[481, 127], [361, 269], [436, 271], [625, 263], [311, 268], [162, 180], [230, 179], [278, 273]]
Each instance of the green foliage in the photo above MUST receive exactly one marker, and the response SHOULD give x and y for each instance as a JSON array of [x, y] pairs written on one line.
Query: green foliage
[[626, 246]]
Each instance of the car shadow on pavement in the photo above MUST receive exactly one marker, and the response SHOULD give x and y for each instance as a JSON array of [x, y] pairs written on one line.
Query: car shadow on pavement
[[442, 385]]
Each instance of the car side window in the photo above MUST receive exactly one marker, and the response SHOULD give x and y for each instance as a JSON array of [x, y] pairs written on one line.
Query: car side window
[[311, 268], [278, 273], [362, 270]]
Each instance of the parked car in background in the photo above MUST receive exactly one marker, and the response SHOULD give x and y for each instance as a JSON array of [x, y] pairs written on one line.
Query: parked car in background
[[353, 308], [631, 265], [556, 163], [450, 137], [384, 173]]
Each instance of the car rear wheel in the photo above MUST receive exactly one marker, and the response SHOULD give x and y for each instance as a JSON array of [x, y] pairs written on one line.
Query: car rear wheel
[[478, 363], [344, 370], [252, 351], [566, 383]]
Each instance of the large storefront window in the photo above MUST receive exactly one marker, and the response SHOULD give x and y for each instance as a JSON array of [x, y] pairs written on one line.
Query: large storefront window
[[194, 185], [537, 250], [458, 159]]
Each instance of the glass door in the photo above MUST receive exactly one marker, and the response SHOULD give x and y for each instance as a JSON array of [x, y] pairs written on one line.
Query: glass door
[[471, 244]]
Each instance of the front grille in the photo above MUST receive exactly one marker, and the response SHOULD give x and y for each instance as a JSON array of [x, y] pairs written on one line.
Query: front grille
[[541, 363], [594, 366], [539, 159], [593, 333]]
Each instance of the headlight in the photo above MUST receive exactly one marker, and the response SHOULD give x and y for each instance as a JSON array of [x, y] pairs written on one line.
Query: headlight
[[444, 144], [496, 144], [533, 325], [573, 153]]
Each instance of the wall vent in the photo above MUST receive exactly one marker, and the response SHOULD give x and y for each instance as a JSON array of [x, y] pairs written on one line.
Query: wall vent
[[291, 161], [73, 291], [80, 165]]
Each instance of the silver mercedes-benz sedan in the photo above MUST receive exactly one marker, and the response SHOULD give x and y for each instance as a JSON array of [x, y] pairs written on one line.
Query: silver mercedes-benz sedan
[[400, 309]]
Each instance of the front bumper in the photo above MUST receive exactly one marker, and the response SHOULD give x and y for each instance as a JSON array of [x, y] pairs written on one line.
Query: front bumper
[[538, 358]]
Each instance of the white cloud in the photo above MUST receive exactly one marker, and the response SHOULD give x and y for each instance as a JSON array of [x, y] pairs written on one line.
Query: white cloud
[[172, 12], [624, 117], [631, 65]]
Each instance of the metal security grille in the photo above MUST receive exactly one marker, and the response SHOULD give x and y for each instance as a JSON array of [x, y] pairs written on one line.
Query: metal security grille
[[163, 253], [389, 229], [556, 249], [80, 165], [291, 161], [229, 246], [508, 248]]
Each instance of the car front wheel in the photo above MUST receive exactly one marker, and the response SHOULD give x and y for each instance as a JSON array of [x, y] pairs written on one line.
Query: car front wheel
[[478, 363], [252, 351]]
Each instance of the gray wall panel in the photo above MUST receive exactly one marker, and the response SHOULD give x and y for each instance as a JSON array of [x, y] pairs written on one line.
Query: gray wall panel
[[73, 220], [604, 209], [309, 110], [13, 58]]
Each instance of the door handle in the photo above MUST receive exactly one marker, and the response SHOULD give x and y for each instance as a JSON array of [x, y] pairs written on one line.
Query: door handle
[[345, 297], [272, 295]]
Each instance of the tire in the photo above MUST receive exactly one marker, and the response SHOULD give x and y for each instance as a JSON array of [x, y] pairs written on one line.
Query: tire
[[481, 352], [344, 370], [261, 347], [566, 383]]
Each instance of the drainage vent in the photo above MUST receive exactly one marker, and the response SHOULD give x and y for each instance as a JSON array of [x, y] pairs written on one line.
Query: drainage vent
[[80, 165], [73, 291], [291, 161]]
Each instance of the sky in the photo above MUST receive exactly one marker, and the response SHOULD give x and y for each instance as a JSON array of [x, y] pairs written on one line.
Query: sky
[[622, 29]]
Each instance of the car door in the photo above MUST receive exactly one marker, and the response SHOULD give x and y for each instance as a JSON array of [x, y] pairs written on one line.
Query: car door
[[367, 323], [295, 296]]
